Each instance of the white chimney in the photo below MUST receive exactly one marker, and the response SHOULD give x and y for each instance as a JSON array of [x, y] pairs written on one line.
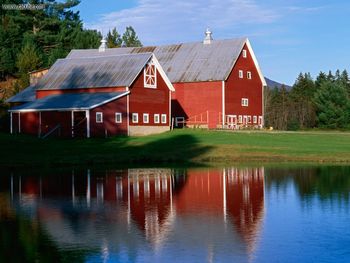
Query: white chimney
[[208, 38], [103, 45]]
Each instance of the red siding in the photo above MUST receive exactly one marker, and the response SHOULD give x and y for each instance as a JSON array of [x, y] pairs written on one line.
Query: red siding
[[237, 88], [30, 123], [148, 100], [195, 99], [109, 125], [44, 93], [50, 119]]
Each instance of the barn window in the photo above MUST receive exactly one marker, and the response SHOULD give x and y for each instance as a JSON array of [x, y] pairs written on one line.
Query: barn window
[[150, 76], [145, 118], [244, 102], [249, 75], [135, 118], [163, 118], [99, 117], [240, 74], [156, 118], [244, 53], [255, 119], [240, 119], [118, 117]]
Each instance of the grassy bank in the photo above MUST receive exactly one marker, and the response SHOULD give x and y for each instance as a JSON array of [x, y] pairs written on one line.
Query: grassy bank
[[183, 147]]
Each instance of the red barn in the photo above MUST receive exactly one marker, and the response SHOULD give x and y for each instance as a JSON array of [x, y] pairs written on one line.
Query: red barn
[[98, 96], [216, 84]]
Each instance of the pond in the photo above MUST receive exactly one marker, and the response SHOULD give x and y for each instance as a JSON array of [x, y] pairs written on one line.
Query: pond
[[232, 214]]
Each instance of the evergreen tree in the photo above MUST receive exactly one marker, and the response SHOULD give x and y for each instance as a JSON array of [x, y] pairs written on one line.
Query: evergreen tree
[[301, 101], [345, 81], [322, 77], [130, 38], [333, 105], [27, 60], [114, 39]]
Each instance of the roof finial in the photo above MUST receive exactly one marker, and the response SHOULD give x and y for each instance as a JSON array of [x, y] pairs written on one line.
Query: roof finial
[[103, 45], [208, 38]]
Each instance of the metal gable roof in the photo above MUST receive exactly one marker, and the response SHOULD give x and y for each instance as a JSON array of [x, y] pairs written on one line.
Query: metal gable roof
[[188, 62], [94, 71], [73, 101], [26, 95]]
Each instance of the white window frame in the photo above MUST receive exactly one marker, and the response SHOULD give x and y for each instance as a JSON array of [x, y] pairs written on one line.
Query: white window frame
[[244, 102], [136, 116], [164, 118], [240, 119], [249, 75], [101, 117], [240, 74], [148, 75], [118, 117], [156, 118], [145, 118], [244, 53], [255, 119]]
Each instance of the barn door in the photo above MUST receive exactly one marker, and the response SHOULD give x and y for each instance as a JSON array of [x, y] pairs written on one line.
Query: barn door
[[79, 124]]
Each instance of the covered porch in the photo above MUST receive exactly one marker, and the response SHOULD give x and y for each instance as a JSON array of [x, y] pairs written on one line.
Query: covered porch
[[64, 115]]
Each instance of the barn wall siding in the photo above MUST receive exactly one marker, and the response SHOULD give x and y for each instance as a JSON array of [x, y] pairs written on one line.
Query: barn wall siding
[[109, 127], [50, 119], [148, 100], [195, 99], [43, 93], [237, 88], [30, 123]]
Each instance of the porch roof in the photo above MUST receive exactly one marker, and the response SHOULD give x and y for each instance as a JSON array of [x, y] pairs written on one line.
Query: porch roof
[[69, 102]]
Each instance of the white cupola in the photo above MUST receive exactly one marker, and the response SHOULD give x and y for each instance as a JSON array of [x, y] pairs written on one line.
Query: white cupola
[[208, 38], [103, 45]]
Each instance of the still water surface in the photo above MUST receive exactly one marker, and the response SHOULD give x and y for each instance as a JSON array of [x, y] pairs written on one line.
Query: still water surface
[[176, 215]]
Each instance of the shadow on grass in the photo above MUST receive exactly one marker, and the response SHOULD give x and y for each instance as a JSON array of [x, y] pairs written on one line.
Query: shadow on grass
[[166, 149]]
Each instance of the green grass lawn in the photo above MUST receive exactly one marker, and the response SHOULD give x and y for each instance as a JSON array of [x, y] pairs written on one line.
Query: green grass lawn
[[185, 147]]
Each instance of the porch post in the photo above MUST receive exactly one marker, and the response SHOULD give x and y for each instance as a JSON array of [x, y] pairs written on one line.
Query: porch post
[[87, 114], [19, 122], [72, 118], [39, 124], [11, 128]]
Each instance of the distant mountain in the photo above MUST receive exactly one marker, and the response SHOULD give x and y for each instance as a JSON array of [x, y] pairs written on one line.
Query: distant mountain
[[272, 84]]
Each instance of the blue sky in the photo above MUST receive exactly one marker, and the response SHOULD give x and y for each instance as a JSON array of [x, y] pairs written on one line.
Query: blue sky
[[288, 37]]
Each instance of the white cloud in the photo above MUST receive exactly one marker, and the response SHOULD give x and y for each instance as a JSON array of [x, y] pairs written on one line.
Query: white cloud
[[171, 21]]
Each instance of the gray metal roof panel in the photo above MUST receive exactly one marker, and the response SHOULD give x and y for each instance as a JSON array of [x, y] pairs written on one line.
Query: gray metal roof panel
[[69, 101], [188, 62], [26, 95], [94, 72]]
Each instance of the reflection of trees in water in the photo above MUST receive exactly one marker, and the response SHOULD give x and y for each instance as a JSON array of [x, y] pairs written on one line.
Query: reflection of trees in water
[[24, 240], [324, 182]]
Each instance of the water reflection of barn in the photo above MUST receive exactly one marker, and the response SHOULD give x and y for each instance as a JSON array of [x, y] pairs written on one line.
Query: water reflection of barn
[[158, 204]]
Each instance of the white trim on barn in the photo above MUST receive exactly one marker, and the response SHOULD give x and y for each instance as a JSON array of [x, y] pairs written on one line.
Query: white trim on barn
[[162, 73], [256, 62], [128, 112], [223, 102]]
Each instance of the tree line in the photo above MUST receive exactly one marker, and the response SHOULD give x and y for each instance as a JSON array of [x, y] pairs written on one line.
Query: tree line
[[320, 103], [35, 39]]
